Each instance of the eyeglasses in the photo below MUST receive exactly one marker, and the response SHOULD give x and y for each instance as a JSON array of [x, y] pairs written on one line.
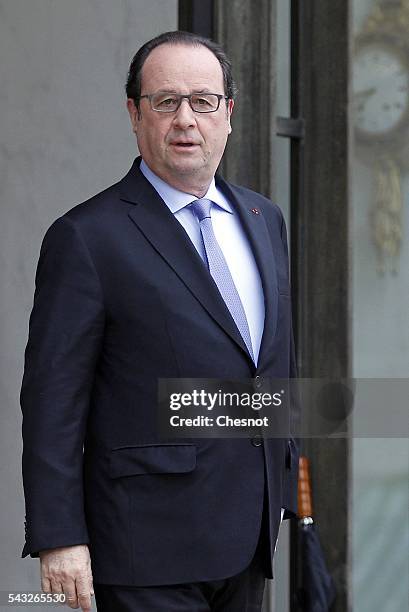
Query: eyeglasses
[[166, 102]]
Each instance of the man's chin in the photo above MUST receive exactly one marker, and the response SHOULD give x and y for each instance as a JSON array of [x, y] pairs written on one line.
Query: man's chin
[[186, 167]]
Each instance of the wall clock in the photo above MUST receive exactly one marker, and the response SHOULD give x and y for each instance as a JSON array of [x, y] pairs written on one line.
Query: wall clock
[[381, 91]]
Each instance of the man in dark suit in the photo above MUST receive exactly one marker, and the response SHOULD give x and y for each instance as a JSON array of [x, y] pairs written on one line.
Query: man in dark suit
[[170, 273]]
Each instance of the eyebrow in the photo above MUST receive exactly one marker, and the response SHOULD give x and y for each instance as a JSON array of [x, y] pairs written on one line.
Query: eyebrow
[[203, 90]]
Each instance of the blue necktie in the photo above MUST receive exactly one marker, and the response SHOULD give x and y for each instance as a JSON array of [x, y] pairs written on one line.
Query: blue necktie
[[219, 270]]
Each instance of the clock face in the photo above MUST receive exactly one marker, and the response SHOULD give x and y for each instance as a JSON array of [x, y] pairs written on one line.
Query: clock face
[[381, 91]]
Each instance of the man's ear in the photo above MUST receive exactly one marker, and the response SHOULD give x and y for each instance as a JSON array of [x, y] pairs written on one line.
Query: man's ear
[[133, 113], [230, 105]]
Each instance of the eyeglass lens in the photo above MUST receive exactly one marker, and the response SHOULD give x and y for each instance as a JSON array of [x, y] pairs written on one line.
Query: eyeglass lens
[[169, 102]]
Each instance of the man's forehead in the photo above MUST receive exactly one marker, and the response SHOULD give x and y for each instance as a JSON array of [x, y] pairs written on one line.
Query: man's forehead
[[170, 63]]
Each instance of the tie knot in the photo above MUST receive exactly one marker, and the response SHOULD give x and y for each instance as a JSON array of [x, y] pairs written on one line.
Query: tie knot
[[201, 208]]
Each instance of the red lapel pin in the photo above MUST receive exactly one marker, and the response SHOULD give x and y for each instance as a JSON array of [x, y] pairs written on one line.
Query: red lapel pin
[[255, 211]]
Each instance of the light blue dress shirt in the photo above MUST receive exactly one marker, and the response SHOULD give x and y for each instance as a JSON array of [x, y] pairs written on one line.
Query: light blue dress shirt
[[232, 240]]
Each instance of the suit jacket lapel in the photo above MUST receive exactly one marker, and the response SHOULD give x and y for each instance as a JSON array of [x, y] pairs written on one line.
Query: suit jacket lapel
[[168, 237], [257, 232]]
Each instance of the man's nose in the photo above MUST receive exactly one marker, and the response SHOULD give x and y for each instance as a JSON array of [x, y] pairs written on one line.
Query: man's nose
[[184, 116]]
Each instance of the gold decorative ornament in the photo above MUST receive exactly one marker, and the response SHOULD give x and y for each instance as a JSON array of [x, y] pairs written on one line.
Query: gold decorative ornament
[[386, 215], [381, 118]]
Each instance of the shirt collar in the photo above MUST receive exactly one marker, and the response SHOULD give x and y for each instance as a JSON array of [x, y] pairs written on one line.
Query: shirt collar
[[175, 199]]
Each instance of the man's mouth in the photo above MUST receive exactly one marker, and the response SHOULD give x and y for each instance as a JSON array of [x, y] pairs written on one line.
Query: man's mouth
[[185, 145]]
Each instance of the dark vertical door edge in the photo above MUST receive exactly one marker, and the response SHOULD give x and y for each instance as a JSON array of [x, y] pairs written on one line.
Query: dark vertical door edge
[[196, 16]]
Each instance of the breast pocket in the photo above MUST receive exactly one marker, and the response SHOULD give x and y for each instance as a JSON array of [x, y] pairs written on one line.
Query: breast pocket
[[152, 459]]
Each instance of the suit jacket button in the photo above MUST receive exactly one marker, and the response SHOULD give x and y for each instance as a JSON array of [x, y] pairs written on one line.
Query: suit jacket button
[[258, 382], [257, 440]]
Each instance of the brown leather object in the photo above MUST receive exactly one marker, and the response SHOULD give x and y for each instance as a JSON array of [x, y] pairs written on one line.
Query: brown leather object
[[304, 489]]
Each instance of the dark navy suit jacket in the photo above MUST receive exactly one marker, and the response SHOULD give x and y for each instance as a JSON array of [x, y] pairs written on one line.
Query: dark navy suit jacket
[[122, 298]]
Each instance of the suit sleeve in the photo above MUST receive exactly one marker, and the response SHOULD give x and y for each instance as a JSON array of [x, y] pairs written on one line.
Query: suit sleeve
[[290, 493], [65, 336]]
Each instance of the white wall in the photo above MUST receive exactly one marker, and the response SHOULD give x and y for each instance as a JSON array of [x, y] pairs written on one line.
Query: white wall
[[65, 135], [379, 526]]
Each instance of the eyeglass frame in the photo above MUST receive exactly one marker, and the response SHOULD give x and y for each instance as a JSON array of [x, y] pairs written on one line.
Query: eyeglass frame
[[220, 97]]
